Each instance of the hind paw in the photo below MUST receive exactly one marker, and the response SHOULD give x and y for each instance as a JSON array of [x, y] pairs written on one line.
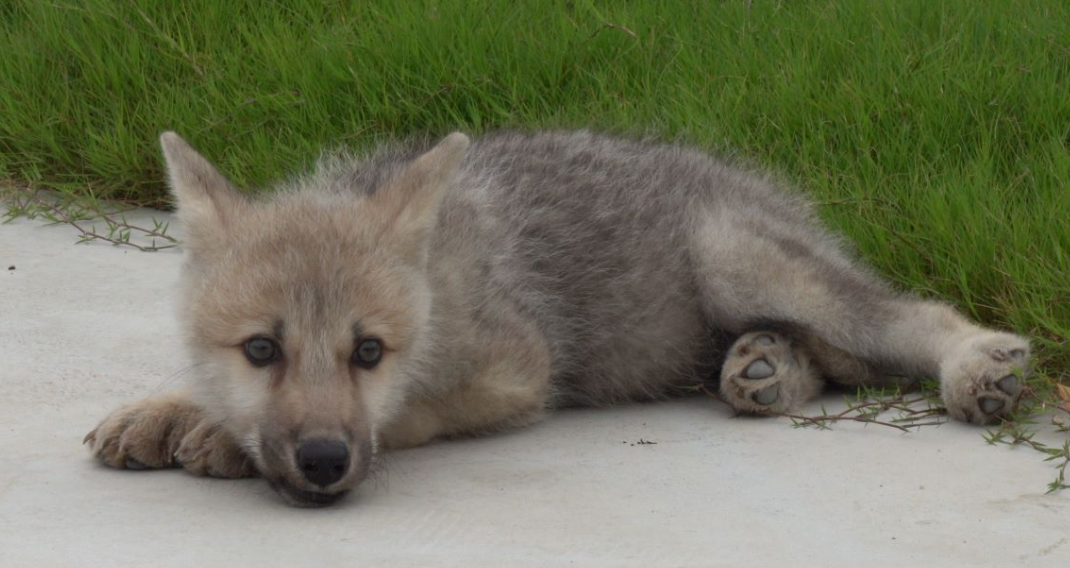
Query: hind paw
[[983, 379], [765, 373]]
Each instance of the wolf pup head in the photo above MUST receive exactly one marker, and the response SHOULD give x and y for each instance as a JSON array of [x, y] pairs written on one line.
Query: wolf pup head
[[305, 311]]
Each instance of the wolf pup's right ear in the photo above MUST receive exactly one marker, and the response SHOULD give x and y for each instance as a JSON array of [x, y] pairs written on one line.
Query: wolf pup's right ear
[[206, 201]]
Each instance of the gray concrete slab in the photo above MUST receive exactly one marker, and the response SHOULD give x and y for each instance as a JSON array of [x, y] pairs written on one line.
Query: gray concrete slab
[[84, 328]]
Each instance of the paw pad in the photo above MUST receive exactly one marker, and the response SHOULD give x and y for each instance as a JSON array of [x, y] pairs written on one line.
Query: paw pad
[[759, 369], [1008, 384], [765, 373], [133, 464], [767, 395], [989, 404]]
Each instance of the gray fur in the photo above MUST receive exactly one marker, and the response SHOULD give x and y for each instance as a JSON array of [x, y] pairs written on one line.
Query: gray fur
[[593, 238]]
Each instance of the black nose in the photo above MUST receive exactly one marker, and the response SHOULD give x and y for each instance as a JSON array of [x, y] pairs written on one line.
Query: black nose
[[323, 462]]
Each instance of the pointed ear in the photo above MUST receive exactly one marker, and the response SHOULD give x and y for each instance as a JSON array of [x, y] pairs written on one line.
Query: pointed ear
[[205, 199], [411, 199]]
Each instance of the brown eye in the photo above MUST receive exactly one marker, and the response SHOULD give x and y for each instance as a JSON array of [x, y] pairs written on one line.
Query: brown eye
[[368, 353], [261, 351]]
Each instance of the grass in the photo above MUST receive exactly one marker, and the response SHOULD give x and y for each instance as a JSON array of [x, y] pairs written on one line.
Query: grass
[[935, 134]]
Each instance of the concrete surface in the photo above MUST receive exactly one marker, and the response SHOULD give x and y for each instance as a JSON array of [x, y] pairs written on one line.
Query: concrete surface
[[84, 328]]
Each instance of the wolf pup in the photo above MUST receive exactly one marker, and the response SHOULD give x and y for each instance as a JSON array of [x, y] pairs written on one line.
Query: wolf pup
[[427, 292]]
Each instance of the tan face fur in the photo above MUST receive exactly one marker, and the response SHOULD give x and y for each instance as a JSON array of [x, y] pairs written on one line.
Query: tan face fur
[[315, 273]]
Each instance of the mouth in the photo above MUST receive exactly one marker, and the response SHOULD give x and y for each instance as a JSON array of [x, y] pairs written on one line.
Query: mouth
[[302, 498]]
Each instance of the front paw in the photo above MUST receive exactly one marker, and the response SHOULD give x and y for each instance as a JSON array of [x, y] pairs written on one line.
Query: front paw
[[984, 377], [143, 435], [210, 450]]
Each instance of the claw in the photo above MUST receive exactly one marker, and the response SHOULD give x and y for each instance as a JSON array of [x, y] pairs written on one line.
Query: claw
[[1000, 354]]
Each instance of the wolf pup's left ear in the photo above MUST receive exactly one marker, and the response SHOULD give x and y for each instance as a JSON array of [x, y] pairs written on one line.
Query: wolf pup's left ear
[[206, 201], [412, 198]]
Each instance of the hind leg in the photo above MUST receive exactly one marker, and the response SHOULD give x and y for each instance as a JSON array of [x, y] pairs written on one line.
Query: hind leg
[[774, 267], [766, 372]]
